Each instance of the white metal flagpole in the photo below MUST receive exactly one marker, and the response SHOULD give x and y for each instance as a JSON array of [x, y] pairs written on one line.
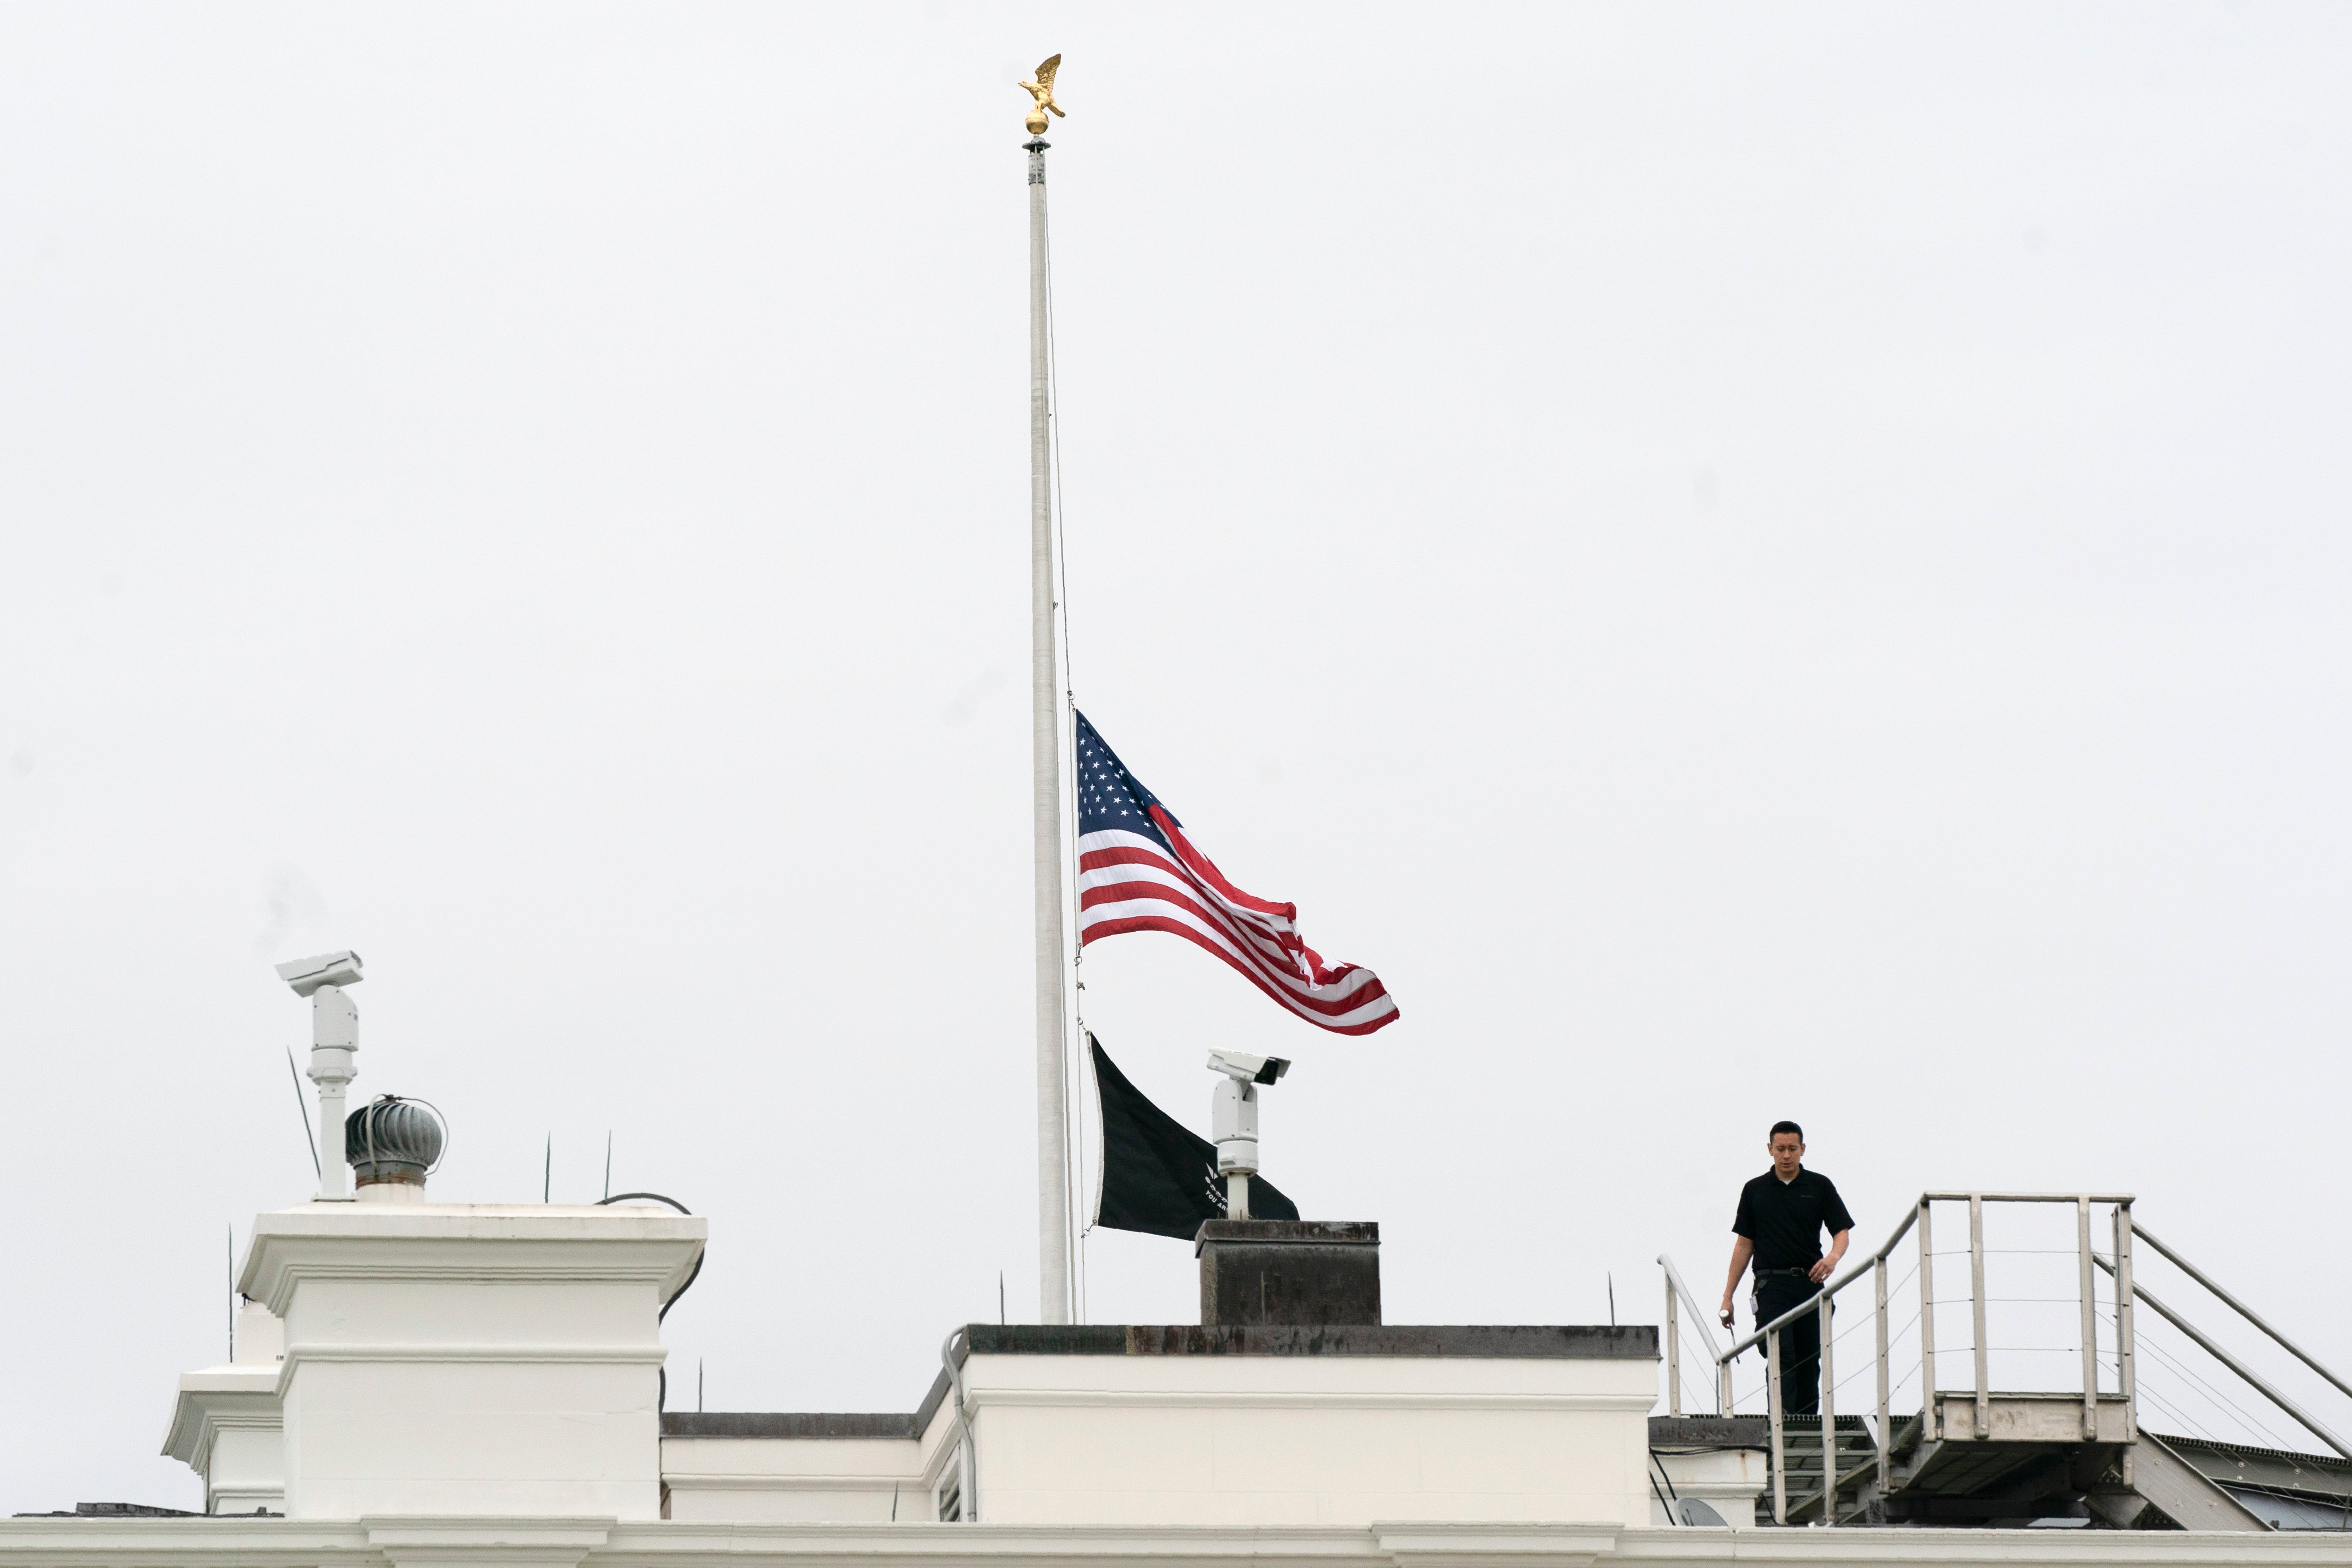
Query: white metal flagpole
[[1045, 757]]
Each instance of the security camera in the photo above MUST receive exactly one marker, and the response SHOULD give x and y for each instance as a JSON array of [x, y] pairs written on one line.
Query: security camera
[[1243, 1068], [306, 974], [334, 1040]]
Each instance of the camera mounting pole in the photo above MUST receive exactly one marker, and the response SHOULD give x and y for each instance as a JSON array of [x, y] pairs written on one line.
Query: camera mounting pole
[[334, 1040]]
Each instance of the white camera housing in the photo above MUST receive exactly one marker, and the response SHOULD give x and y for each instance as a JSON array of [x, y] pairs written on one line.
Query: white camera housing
[[1243, 1068], [308, 974]]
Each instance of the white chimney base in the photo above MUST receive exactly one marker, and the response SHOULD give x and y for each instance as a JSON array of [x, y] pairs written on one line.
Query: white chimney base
[[446, 1359]]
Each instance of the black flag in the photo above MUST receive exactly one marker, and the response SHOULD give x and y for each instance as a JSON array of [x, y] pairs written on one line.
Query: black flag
[[1158, 1177]]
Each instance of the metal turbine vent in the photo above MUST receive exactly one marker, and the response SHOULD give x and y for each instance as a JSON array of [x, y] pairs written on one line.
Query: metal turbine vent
[[394, 1140]]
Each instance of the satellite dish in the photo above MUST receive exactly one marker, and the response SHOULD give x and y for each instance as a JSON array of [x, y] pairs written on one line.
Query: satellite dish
[[1691, 1510]]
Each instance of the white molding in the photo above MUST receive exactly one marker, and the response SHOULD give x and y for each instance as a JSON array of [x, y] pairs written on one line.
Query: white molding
[[1498, 1543], [284, 1273], [521, 1543], [221, 1399], [648, 1355], [465, 1356], [1302, 1399], [683, 1545], [495, 1243], [458, 1542]]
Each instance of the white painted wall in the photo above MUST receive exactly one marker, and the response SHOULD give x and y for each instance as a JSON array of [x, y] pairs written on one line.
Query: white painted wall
[[1230, 1440], [764, 1479], [1308, 1440], [1729, 1481]]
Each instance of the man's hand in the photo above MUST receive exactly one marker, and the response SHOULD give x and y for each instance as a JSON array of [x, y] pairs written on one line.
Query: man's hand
[[1741, 1251], [1828, 1266]]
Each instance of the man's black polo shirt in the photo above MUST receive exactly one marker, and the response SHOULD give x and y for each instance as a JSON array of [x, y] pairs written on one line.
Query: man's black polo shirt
[[1785, 1219]]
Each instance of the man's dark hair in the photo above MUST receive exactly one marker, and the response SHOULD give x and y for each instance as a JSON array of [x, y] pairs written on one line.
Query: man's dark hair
[[1780, 1127]]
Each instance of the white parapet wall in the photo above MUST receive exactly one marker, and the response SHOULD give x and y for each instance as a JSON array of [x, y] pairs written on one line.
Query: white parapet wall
[[471, 1359], [1250, 1427], [761, 1469], [1300, 1427]]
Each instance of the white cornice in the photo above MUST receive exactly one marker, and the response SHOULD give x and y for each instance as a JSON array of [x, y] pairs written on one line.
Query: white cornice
[[219, 1399], [459, 1543], [500, 1243], [1496, 1544], [276, 1267], [301, 1356], [498, 1541]]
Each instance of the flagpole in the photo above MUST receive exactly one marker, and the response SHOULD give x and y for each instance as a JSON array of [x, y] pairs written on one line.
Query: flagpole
[[1045, 746]]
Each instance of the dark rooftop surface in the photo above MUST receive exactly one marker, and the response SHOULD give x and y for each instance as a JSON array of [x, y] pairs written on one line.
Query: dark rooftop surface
[[1710, 1432], [1492, 1341], [1288, 1232], [128, 1510], [780, 1424], [2324, 1475]]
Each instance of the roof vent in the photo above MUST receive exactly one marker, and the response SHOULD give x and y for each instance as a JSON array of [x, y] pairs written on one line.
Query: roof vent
[[392, 1140]]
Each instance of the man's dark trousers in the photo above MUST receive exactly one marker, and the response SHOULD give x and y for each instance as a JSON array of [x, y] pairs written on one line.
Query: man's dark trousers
[[1801, 1342]]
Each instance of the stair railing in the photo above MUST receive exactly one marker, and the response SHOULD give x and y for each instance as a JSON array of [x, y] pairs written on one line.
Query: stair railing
[[1921, 1215], [1678, 1295], [2127, 1286]]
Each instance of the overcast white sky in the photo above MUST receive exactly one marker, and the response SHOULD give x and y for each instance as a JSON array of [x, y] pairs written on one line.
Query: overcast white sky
[[1753, 561]]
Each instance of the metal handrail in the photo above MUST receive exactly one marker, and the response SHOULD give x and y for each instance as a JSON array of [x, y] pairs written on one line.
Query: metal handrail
[[968, 1460], [2028, 1197], [1851, 1276], [1675, 1286], [1810, 1304], [1820, 1302], [2232, 1362], [2244, 1311], [1698, 1313]]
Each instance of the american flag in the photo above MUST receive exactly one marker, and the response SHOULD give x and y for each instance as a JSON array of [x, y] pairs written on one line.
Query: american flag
[[1137, 871]]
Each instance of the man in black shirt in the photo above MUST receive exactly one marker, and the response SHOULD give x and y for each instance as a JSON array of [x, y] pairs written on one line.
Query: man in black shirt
[[1782, 1214]]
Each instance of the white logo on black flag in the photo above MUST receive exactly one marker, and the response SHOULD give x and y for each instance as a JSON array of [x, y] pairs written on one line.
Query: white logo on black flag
[[1158, 1177]]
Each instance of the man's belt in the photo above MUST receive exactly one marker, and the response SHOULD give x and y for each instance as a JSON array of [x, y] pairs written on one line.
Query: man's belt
[[1801, 1273]]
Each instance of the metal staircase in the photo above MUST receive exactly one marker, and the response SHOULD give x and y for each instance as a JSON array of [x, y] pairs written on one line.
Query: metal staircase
[[1980, 1455], [1800, 1452]]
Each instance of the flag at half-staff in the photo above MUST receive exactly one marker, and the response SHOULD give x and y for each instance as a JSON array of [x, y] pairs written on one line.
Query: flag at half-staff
[[1159, 1176], [1137, 871]]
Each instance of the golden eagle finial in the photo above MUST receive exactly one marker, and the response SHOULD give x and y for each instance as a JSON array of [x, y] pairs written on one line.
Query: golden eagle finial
[[1042, 90]]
